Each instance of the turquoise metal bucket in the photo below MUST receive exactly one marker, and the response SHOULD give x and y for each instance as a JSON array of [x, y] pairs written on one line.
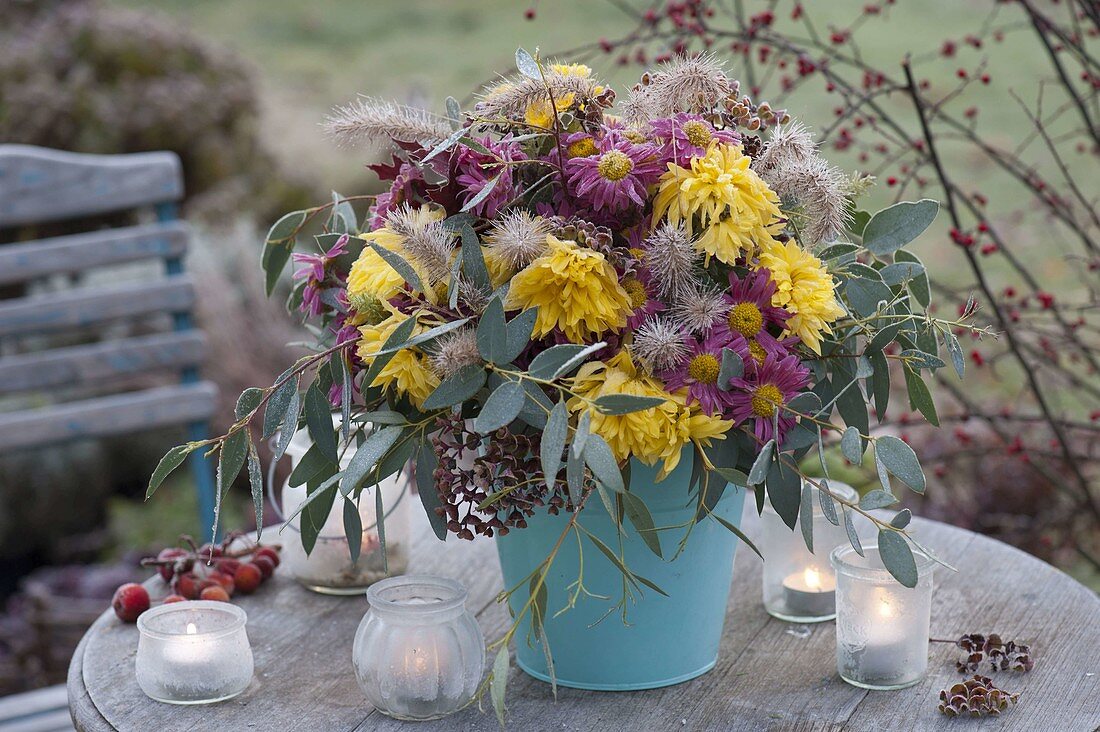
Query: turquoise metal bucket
[[668, 639]]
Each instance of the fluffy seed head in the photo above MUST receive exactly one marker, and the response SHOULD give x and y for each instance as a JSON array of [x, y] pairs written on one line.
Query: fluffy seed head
[[370, 118], [659, 344], [453, 351], [672, 261], [518, 238], [429, 242], [789, 142], [511, 97], [698, 310], [684, 84]]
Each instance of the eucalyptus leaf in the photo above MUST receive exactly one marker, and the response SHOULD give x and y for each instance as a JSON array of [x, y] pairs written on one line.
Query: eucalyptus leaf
[[171, 460], [900, 273], [852, 446], [457, 388], [897, 557], [553, 443], [546, 364], [577, 359], [828, 506], [877, 498], [638, 514], [518, 334], [901, 518], [619, 404], [256, 484], [367, 456], [732, 367], [853, 535], [318, 414], [919, 396], [922, 360], [426, 463], [759, 470], [492, 333], [399, 335], [865, 295], [958, 361], [806, 516], [278, 405], [400, 266], [892, 228], [901, 461], [429, 335], [784, 491], [501, 408], [482, 194], [353, 529], [497, 683], [527, 64], [601, 461], [919, 285]]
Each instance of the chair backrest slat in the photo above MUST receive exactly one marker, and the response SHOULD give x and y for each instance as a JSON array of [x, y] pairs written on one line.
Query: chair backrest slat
[[96, 362], [79, 309], [79, 252], [37, 184]]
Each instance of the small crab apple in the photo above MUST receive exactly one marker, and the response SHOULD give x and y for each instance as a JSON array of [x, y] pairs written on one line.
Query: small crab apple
[[247, 578], [206, 551], [216, 593], [130, 600], [228, 566], [174, 598], [224, 580], [265, 564], [268, 552], [187, 585], [178, 558]]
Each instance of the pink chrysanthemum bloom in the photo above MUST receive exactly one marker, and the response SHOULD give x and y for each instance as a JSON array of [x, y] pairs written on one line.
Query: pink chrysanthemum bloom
[[684, 136], [476, 170], [314, 270], [757, 396], [616, 177], [400, 191], [699, 374], [751, 314]]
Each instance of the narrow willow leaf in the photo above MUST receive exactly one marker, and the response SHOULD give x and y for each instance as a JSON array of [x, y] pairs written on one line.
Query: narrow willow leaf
[[892, 228], [278, 246], [278, 403], [426, 463], [853, 535], [580, 434], [880, 383], [400, 266], [457, 388], [574, 479], [577, 359], [919, 396], [256, 483], [248, 401], [864, 369], [482, 194], [619, 404], [353, 529], [289, 424], [922, 360], [399, 335], [380, 525], [316, 510], [759, 470], [342, 209], [492, 334], [806, 516], [318, 414], [553, 443], [546, 364], [897, 557], [601, 461], [428, 335], [536, 406], [312, 463], [346, 390], [828, 507], [901, 518], [958, 361], [473, 260], [738, 533], [171, 460], [852, 446], [367, 456], [501, 408], [445, 145], [454, 111], [498, 682], [638, 514], [898, 458]]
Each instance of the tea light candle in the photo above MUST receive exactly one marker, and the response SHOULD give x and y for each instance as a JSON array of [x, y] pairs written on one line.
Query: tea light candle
[[810, 593], [799, 586], [193, 652], [881, 625]]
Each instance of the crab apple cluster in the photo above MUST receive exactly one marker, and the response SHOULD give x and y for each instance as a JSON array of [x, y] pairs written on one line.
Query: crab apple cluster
[[209, 572]]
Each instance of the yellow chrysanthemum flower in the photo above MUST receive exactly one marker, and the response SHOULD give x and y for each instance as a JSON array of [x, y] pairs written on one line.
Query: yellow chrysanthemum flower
[[657, 433], [574, 288], [540, 114], [721, 201], [408, 372], [499, 269], [371, 277], [804, 287]]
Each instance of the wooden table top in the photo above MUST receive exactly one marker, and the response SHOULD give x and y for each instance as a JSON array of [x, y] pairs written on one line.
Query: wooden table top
[[770, 675]]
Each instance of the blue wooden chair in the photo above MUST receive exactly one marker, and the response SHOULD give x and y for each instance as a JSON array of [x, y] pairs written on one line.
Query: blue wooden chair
[[39, 186]]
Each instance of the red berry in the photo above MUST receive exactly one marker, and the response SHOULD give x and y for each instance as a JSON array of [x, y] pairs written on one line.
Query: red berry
[[215, 593], [129, 601], [174, 598], [265, 565], [228, 566], [247, 578], [172, 554], [187, 585], [267, 551], [224, 580], [206, 551]]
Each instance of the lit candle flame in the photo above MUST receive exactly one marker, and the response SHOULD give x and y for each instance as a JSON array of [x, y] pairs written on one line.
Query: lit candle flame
[[191, 629], [885, 609], [812, 578]]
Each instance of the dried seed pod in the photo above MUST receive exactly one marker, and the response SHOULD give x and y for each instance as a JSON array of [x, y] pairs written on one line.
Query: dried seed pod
[[977, 696]]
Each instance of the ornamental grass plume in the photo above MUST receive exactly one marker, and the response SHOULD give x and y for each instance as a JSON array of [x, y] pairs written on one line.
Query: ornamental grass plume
[[370, 119], [453, 351], [575, 290], [527, 98], [736, 211], [425, 239]]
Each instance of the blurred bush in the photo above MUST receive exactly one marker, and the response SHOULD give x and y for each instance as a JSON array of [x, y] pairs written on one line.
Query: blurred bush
[[78, 75]]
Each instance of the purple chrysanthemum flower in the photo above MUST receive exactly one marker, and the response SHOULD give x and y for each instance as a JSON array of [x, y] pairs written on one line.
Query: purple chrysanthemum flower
[[616, 177], [400, 191], [477, 170], [685, 136], [699, 373], [757, 396], [314, 270], [751, 315]]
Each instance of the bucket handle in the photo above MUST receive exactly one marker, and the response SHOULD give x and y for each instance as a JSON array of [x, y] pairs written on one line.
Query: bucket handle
[[270, 490]]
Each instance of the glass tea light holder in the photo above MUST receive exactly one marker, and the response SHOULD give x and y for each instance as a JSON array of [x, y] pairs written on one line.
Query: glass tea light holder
[[194, 652], [799, 586], [418, 653], [881, 625]]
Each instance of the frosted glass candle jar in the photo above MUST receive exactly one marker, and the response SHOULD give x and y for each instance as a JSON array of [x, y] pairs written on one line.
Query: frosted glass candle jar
[[193, 652], [881, 625], [329, 569], [799, 587], [418, 653]]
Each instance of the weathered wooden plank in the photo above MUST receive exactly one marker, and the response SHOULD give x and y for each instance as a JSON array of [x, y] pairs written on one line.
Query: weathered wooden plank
[[111, 415], [58, 720], [80, 252], [770, 676], [96, 362], [32, 703], [40, 184], [85, 716], [82, 308]]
